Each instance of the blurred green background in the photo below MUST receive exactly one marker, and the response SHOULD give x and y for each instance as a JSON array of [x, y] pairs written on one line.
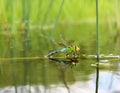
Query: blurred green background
[[26, 27]]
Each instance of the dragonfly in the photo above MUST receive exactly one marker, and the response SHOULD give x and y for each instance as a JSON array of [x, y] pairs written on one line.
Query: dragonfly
[[69, 48]]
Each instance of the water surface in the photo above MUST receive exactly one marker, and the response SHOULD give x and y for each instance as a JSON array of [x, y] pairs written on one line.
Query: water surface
[[46, 76]]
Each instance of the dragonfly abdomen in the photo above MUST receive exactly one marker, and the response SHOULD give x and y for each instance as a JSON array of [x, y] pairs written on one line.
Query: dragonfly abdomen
[[63, 49], [52, 53]]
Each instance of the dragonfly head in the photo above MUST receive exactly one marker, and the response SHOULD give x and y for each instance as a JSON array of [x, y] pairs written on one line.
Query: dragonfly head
[[77, 48]]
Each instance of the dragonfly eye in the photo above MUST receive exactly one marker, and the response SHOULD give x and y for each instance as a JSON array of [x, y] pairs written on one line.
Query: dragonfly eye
[[77, 48]]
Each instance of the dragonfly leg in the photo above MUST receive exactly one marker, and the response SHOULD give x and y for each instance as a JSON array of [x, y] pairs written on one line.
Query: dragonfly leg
[[75, 55], [67, 55]]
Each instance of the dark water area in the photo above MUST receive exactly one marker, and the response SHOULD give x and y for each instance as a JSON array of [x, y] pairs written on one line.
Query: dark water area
[[56, 76]]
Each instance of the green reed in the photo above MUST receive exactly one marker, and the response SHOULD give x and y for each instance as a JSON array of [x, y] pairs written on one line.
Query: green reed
[[12, 43], [26, 39], [57, 19], [117, 28], [97, 32], [42, 34], [39, 10], [26, 21], [97, 47]]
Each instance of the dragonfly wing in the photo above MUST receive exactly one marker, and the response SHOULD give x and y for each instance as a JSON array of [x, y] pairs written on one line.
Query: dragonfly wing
[[68, 42], [59, 43]]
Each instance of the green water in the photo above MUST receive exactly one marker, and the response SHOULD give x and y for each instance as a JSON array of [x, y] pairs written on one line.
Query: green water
[[46, 76]]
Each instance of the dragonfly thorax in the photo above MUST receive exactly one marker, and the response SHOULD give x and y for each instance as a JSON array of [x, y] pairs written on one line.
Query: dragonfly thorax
[[70, 49]]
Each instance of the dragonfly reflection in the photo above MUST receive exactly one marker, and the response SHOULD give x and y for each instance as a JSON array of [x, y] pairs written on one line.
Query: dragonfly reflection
[[65, 62]]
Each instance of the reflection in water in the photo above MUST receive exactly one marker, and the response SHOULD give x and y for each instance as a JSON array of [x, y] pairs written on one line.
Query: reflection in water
[[62, 66], [58, 76], [97, 77], [109, 82], [65, 62]]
